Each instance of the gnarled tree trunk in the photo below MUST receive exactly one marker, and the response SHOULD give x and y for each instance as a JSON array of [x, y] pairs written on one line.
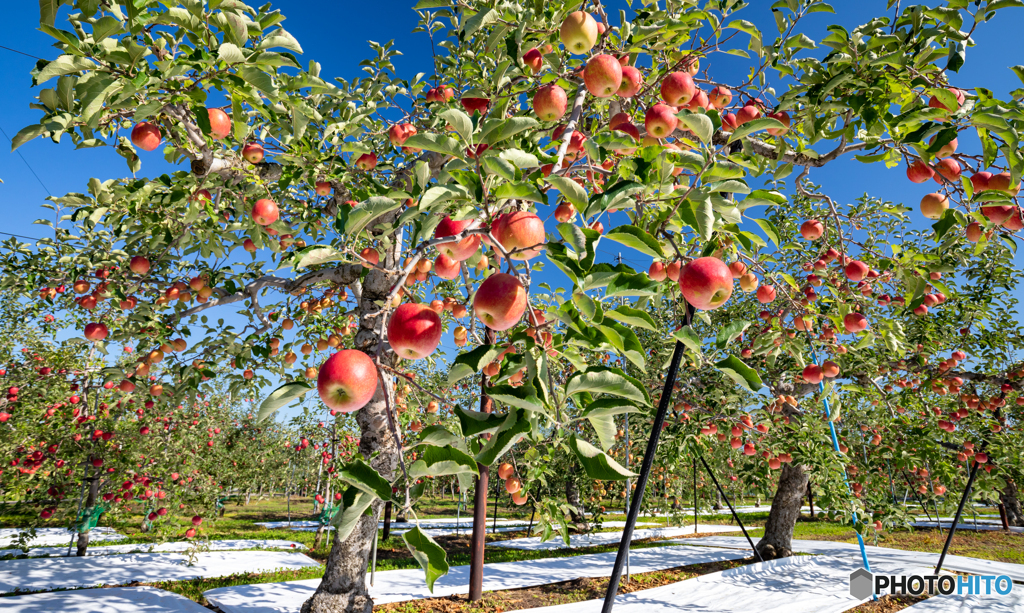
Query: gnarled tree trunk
[[778, 532], [1011, 504]]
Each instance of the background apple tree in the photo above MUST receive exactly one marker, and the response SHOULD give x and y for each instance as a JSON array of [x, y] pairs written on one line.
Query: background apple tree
[[320, 228]]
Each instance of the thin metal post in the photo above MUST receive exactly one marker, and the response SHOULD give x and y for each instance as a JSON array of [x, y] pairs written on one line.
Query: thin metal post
[[956, 520], [735, 515], [497, 494], [695, 492], [910, 488], [892, 486], [628, 480], [835, 445], [288, 492], [387, 520], [645, 471]]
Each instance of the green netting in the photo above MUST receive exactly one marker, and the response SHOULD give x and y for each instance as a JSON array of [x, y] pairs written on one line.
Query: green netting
[[326, 514], [89, 517]]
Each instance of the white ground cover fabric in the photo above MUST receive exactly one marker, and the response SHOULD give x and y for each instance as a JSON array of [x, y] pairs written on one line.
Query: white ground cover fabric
[[142, 599], [56, 536], [591, 540], [461, 530], [990, 603], [36, 574], [968, 526], [790, 585], [178, 546], [401, 585], [885, 555]]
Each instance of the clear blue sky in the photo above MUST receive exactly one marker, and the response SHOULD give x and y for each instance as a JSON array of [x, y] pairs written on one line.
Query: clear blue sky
[[336, 34]]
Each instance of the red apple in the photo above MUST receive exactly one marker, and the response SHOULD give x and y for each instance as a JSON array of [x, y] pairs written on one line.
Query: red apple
[[830, 369], [500, 301], [973, 232], [749, 112], [855, 322], [534, 60], [934, 205], [1015, 221], [856, 270], [578, 32], [400, 132], [657, 271], [414, 330], [253, 153], [323, 188], [1001, 183], [602, 76], [461, 250], [660, 120], [146, 136], [265, 212], [522, 231], [475, 105], [812, 229], [367, 161], [783, 118], [947, 170], [139, 265], [447, 267], [813, 374], [550, 102], [513, 485], [96, 331], [678, 88], [919, 172], [766, 294], [936, 104], [220, 123], [706, 283], [720, 97], [632, 81], [564, 212], [997, 213], [945, 150], [249, 246], [347, 381]]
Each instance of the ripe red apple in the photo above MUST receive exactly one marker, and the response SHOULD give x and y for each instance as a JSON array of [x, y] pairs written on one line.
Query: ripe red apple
[[550, 102], [461, 250], [1015, 221], [830, 369], [766, 294], [475, 105], [414, 330], [720, 97], [371, 255], [139, 265], [947, 170], [400, 132], [565, 212], [520, 230], [706, 283], [249, 246], [678, 88], [749, 112], [367, 161], [190, 533], [578, 32], [919, 172], [96, 331], [146, 136], [265, 212], [520, 498], [500, 301], [505, 470], [783, 118], [602, 76], [447, 267], [997, 213], [729, 122], [973, 232], [220, 123], [856, 270], [660, 120], [855, 322], [673, 269], [813, 374], [946, 150], [738, 269], [440, 94], [657, 272], [323, 188], [934, 205], [632, 81], [347, 381], [534, 60], [1001, 183], [253, 153], [812, 229], [513, 485]]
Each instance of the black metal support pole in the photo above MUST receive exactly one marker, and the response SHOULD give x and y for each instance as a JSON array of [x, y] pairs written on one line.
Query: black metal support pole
[[735, 515], [533, 510], [919, 501], [956, 520], [497, 494], [810, 497], [645, 472]]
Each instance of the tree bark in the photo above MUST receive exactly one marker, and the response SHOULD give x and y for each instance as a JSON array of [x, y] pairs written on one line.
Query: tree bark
[[778, 531], [1011, 503]]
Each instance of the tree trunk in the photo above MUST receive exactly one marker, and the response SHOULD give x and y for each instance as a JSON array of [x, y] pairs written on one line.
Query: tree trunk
[[572, 496], [1011, 504], [90, 502], [778, 532]]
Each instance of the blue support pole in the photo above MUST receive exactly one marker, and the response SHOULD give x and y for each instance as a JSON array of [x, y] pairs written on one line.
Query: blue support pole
[[835, 445]]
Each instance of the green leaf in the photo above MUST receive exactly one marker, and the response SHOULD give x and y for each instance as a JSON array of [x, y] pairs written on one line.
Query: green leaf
[[431, 557], [509, 128], [704, 214], [570, 190], [688, 337], [315, 255], [700, 124], [281, 38], [518, 191], [632, 236], [230, 53], [609, 407], [361, 216], [65, 64], [770, 231], [739, 372], [26, 134], [438, 436], [753, 126], [947, 221], [496, 165], [281, 397], [522, 397], [438, 461], [259, 79], [48, 11], [607, 380], [520, 158], [596, 463], [363, 476], [632, 317], [351, 508], [437, 143], [626, 284], [461, 123], [512, 430], [478, 422], [104, 27], [479, 20], [472, 362], [730, 332]]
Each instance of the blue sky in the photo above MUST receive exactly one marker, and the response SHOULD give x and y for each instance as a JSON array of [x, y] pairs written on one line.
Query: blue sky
[[336, 34]]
